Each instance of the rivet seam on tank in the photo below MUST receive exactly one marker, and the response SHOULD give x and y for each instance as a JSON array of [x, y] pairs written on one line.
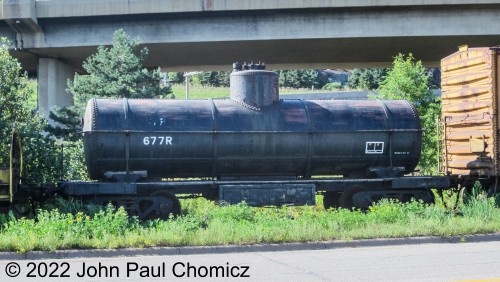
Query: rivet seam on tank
[[246, 105]]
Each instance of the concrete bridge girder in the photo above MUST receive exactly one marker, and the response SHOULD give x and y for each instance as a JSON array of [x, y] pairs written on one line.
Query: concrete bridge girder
[[280, 38], [211, 34]]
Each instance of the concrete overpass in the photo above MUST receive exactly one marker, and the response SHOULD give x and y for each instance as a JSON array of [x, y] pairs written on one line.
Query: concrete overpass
[[53, 37]]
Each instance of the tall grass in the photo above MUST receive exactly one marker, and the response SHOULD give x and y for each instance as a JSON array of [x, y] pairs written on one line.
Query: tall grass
[[204, 223]]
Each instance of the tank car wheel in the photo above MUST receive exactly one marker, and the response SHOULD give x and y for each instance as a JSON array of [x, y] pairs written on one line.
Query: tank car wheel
[[331, 200], [159, 205], [356, 197]]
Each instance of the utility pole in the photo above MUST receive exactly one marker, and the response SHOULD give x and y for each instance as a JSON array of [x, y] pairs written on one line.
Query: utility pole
[[187, 75]]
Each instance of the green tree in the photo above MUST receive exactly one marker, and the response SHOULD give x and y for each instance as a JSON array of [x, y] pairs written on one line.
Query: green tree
[[118, 72], [300, 79], [14, 93], [409, 80], [113, 72], [366, 79], [41, 155], [221, 79], [13, 87], [176, 77], [212, 78]]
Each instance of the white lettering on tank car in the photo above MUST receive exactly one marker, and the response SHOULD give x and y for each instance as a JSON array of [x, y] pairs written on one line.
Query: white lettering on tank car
[[157, 140], [374, 147]]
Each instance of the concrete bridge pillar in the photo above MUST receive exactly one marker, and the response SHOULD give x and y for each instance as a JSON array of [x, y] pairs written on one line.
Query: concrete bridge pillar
[[52, 83]]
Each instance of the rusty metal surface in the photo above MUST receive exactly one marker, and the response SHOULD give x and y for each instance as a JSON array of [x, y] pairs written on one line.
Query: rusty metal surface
[[254, 88], [469, 112]]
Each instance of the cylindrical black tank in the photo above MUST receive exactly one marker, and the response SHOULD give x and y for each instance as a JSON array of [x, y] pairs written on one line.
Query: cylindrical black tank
[[238, 138]]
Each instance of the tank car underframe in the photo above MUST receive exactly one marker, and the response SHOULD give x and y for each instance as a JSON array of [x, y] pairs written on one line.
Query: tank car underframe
[[159, 199]]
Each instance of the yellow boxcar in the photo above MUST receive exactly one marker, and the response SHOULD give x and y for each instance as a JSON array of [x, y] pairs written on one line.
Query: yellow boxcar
[[470, 89]]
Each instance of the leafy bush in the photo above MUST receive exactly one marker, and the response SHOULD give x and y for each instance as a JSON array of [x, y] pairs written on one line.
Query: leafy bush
[[41, 158], [409, 80], [333, 86]]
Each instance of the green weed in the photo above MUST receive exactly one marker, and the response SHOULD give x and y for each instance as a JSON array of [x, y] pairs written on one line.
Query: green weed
[[74, 225]]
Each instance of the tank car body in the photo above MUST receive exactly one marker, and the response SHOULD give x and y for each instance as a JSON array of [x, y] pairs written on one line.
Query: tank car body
[[253, 134]]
